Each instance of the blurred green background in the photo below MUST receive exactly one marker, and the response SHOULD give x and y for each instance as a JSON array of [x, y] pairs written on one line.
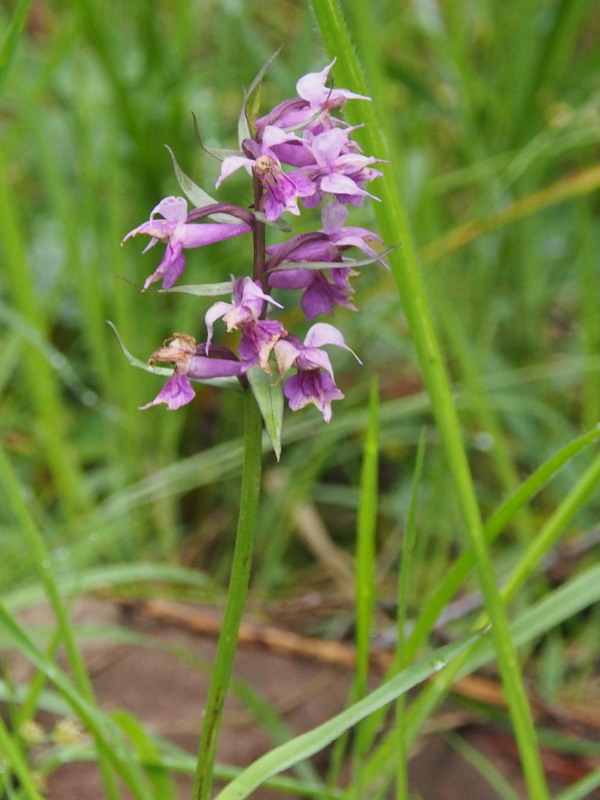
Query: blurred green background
[[492, 113]]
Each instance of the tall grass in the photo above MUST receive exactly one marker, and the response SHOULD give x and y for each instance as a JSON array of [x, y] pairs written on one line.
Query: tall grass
[[490, 117]]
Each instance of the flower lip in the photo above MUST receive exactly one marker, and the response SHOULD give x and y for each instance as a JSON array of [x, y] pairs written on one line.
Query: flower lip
[[312, 386]]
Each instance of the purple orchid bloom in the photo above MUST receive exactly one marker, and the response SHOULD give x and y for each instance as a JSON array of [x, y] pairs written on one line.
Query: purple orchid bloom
[[329, 243], [339, 169], [178, 234], [321, 296], [182, 351], [314, 381], [312, 386], [313, 105], [282, 188], [258, 335]]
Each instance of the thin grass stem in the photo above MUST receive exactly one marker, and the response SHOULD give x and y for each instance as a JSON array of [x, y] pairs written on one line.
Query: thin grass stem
[[365, 575], [17, 764], [400, 661], [394, 227]]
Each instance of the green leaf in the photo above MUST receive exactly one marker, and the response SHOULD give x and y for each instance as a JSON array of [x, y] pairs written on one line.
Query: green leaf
[[269, 395], [553, 609], [500, 519], [204, 289], [113, 576], [135, 362], [220, 153], [250, 106], [318, 265], [582, 788], [158, 776], [12, 37], [197, 196], [307, 744], [14, 760], [279, 224]]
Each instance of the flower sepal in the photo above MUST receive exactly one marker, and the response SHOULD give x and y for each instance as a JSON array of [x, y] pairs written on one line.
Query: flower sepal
[[203, 289], [319, 265], [220, 153], [268, 393], [197, 196], [249, 111], [279, 224]]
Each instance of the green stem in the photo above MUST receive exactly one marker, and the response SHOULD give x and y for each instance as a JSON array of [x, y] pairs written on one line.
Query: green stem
[[366, 569], [16, 763], [238, 589], [394, 227], [258, 234], [401, 661]]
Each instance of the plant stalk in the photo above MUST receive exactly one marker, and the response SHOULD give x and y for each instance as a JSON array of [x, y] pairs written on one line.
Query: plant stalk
[[242, 563], [236, 598]]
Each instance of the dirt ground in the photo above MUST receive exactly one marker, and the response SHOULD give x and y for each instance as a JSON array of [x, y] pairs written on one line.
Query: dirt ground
[[306, 687]]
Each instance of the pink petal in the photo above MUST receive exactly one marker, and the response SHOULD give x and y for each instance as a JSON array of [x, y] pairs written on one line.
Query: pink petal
[[313, 358], [214, 313], [172, 208], [327, 146], [231, 164], [311, 87], [335, 183], [286, 353], [323, 333], [158, 228], [333, 216]]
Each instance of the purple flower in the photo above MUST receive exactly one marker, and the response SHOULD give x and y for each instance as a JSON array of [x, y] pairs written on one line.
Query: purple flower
[[313, 386], [321, 295], [326, 245], [258, 335], [333, 216], [179, 234], [339, 169], [282, 188], [314, 381], [313, 105], [182, 351], [258, 339]]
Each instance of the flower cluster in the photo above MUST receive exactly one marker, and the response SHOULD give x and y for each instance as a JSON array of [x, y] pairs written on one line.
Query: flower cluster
[[298, 153]]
